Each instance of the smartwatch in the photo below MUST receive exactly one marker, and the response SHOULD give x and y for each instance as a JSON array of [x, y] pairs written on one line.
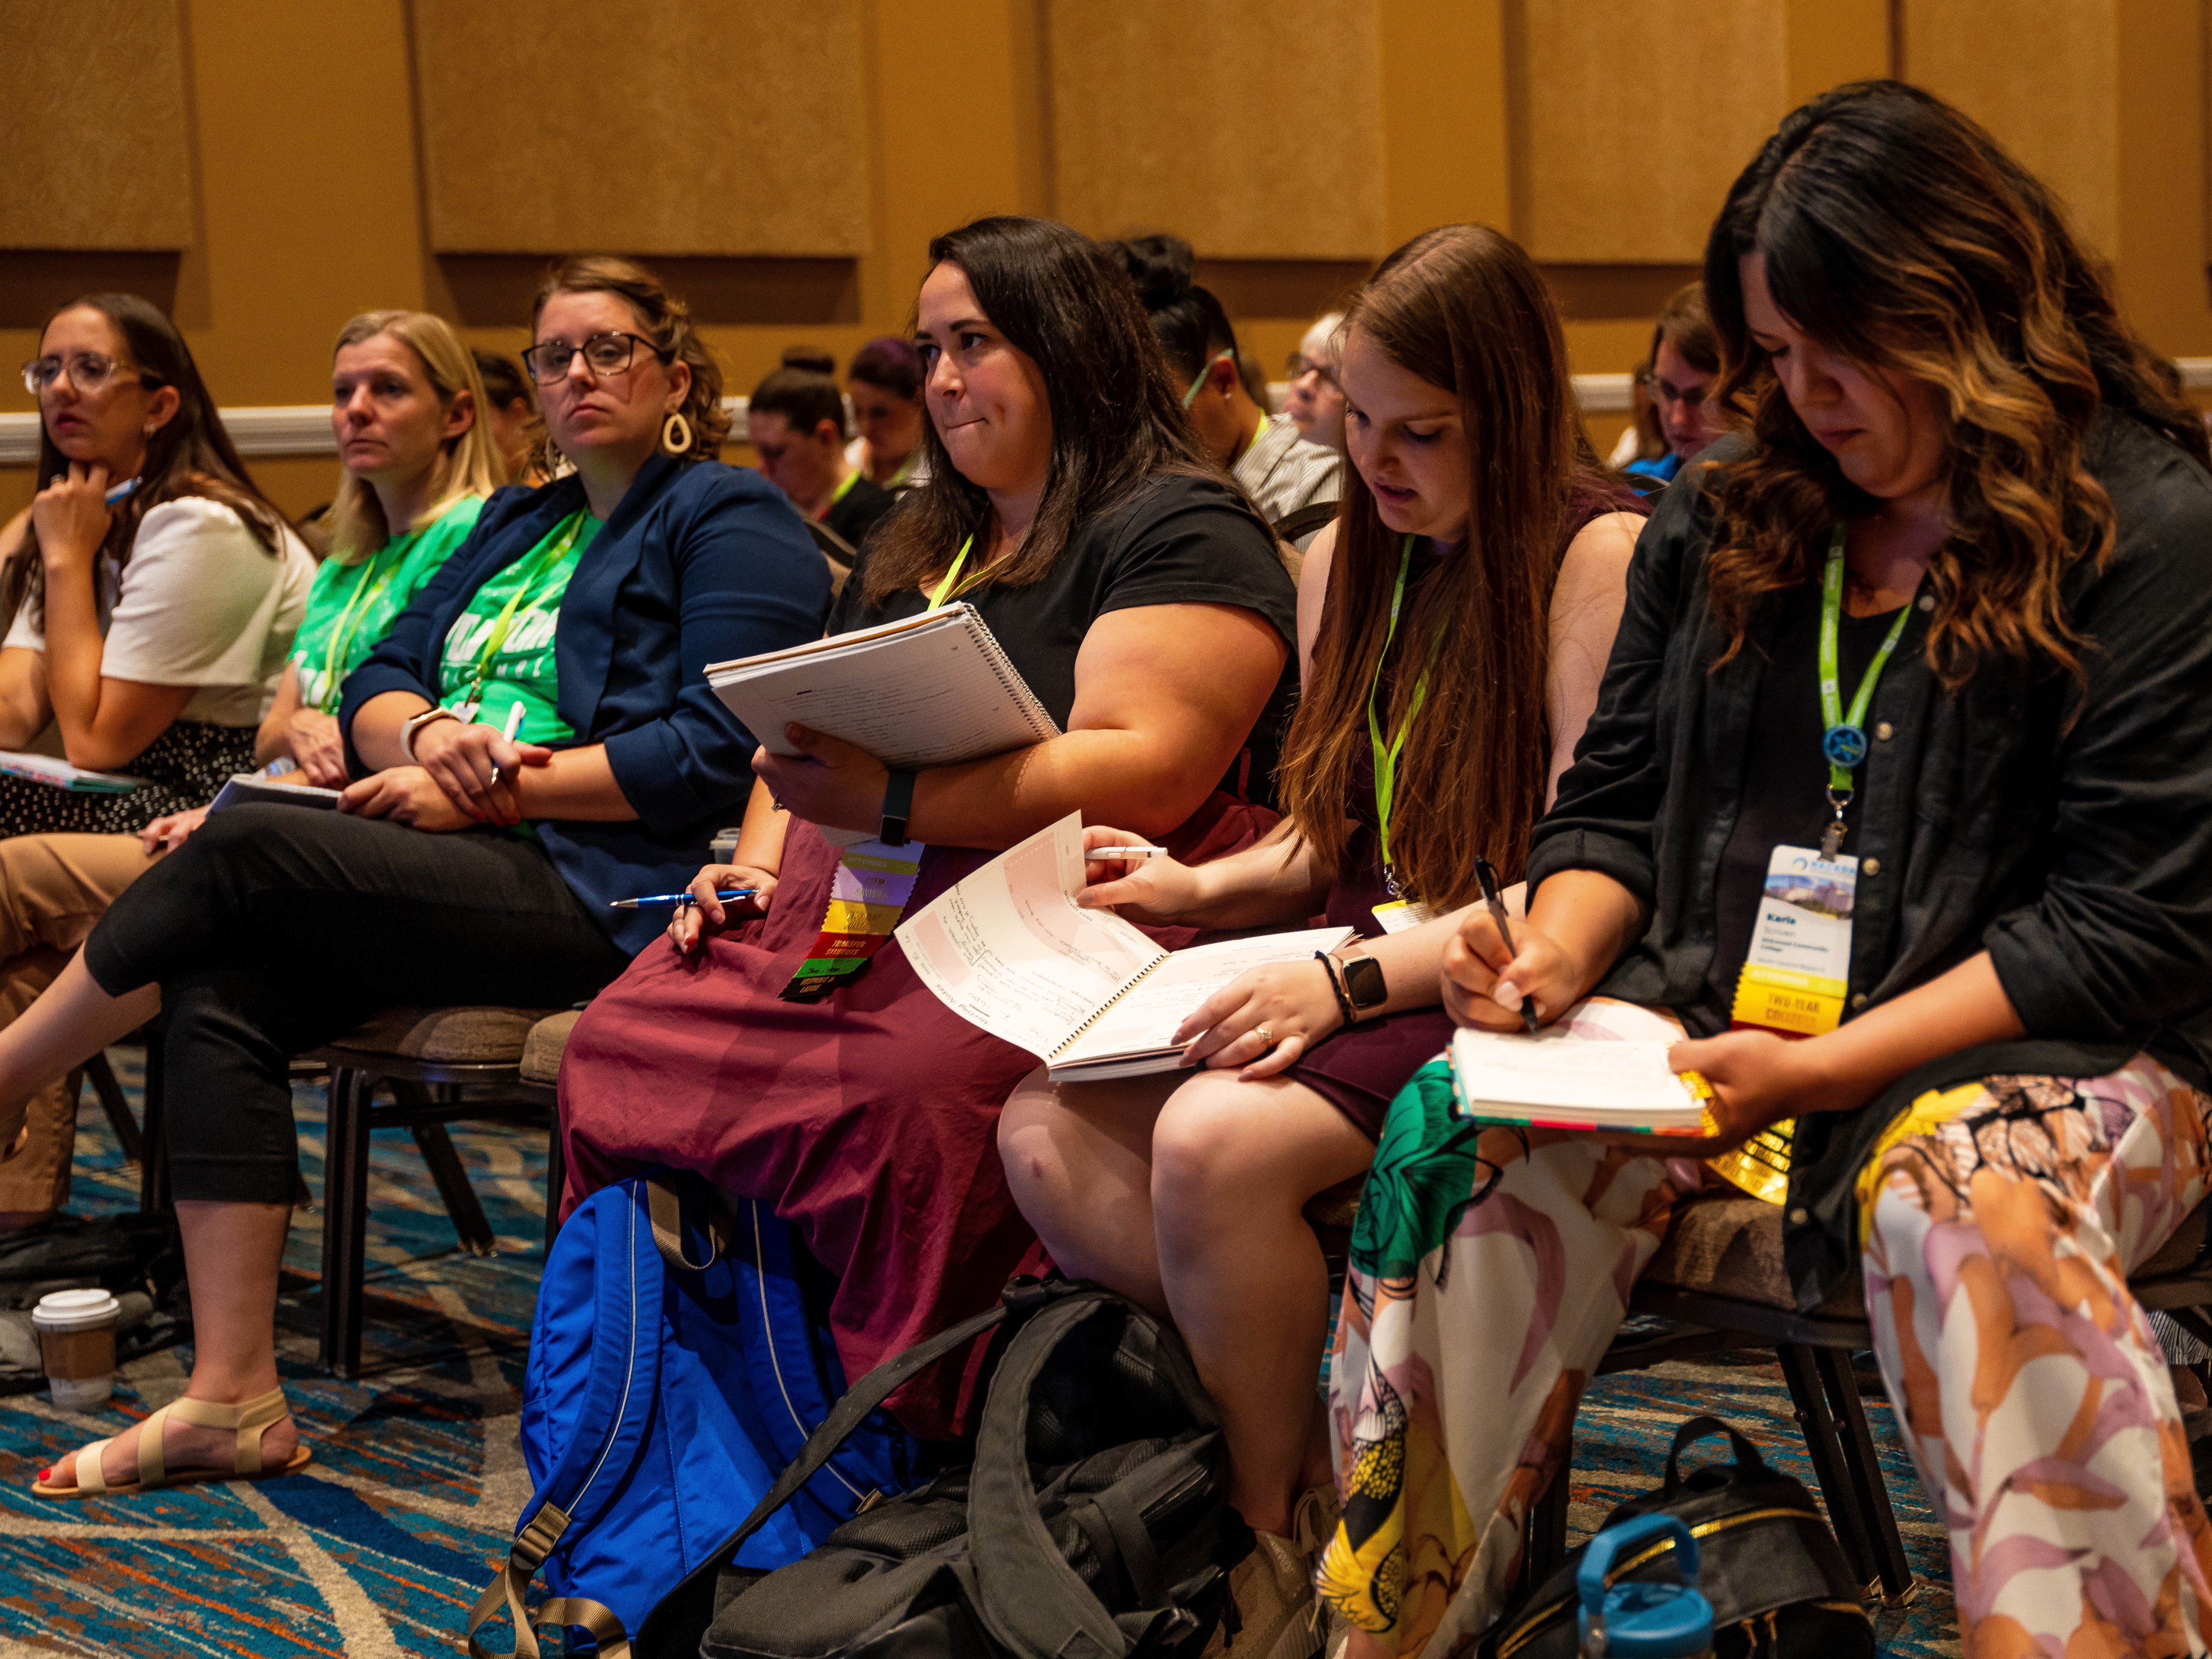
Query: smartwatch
[[414, 724], [1363, 982], [898, 805]]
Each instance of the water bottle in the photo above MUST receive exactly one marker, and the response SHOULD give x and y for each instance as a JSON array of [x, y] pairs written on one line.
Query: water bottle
[[1634, 1621]]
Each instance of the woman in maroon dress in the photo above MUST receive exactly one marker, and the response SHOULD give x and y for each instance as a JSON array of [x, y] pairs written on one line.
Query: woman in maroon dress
[[1453, 627], [1142, 599]]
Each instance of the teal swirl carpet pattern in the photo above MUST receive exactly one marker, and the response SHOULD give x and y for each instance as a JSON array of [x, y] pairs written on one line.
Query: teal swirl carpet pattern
[[377, 1548]]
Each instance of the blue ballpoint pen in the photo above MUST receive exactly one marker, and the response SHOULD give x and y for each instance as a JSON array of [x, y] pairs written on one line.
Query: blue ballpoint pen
[[674, 901]]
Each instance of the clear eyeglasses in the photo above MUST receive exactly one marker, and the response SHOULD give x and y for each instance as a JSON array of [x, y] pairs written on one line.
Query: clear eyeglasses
[[88, 372], [604, 354]]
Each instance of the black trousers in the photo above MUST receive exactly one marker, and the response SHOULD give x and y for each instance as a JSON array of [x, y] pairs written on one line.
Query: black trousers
[[275, 929]]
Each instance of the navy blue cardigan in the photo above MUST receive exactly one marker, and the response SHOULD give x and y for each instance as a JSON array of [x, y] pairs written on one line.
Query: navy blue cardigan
[[700, 562]]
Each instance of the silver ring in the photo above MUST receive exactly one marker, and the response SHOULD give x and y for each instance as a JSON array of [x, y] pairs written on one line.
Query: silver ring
[[1266, 1034]]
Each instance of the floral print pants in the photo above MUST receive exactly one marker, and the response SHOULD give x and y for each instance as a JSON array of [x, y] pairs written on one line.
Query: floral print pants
[[1491, 1267]]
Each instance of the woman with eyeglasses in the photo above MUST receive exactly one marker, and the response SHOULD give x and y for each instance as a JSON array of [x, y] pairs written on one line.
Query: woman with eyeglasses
[[533, 739], [1677, 386], [153, 590], [1259, 451], [1315, 405]]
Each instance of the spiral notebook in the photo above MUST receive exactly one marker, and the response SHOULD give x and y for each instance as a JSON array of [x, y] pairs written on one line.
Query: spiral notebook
[[1009, 949], [1563, 1079], [933, 689], [60, 774]]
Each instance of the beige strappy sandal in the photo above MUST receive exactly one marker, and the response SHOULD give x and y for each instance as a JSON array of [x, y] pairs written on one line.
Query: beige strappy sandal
[[248, 1419]]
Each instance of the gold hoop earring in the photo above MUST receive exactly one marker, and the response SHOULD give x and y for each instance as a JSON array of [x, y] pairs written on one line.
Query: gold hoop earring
[[676, 436]]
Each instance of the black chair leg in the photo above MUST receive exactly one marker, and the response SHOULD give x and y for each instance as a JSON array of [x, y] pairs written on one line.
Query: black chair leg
[[460, 1198], [153, 1163], [345, 1219], [1827, 1453], [557, 1179], [98, 1073], [1546, 1546], [1899, 1587]]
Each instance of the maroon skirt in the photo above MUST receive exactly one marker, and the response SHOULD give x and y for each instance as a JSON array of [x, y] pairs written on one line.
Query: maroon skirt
[[868, 1120]]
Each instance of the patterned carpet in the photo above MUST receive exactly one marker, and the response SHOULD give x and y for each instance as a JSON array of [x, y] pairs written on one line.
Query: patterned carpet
[[380, 1545]]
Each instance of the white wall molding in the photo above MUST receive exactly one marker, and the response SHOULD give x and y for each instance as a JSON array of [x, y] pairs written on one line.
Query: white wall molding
[[305, 428]]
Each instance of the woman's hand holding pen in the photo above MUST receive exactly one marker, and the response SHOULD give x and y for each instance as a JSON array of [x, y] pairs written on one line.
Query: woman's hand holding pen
[[72, 516], [688, 927], [829, 782], [1486, 985], [1155, 890], [472, 762]]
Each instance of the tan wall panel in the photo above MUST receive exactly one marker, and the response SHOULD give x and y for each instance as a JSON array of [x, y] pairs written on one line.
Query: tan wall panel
[[576, 133], [1633, 119], [1255, 130], [91, 125], [2054, 107], [1445, 137]]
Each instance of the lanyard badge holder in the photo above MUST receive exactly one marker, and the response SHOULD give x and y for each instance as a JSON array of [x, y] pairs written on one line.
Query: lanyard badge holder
[[1796, 977], [1385, 755]]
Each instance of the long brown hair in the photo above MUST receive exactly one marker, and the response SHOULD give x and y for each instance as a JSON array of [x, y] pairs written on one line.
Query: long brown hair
[[1117, 417], [468, 464], [1464, 308], [1898, 235], [663, 318], [188, 454]]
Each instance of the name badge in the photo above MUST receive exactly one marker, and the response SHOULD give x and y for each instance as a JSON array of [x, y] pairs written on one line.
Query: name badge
[[1400, 915], [1795, 980]]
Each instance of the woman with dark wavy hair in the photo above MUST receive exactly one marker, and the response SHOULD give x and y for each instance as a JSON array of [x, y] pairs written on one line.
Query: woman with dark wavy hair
[[1898, 798]]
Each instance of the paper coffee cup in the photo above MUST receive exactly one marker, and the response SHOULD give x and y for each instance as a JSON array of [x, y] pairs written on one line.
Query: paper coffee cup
[[77, 1341]]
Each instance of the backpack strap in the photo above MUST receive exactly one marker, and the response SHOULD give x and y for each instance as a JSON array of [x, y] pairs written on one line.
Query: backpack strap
[[617, 1404], [1033, 1600], [1749, 1462], [695, 1596]]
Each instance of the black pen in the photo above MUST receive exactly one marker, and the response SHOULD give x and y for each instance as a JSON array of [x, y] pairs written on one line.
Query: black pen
[[1491, 897]]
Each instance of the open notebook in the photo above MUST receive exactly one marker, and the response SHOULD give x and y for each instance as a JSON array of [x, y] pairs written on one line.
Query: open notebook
[[1562, 1078], [1009, 950], [50, 769]]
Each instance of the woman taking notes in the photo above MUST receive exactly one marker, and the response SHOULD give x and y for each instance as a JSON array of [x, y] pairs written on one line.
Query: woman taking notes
[[1454, 624], [593, 604], [1136, 592], [154, 591], [1972, 492]]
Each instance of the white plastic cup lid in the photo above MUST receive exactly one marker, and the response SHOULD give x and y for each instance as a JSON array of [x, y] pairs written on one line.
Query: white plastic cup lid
[[75, 1311]]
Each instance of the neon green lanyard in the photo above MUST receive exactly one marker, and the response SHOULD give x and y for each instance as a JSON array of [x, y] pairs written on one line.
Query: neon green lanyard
[[1843, 738], [842, 490], [555, 551], [340, 633], [1386, 755], [946, 591]]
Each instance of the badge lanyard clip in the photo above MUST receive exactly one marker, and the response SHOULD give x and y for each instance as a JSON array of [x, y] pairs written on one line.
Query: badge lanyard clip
[[1843, 738]]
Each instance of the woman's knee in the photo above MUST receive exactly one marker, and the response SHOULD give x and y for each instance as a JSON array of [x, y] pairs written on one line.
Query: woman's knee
[[1212, 1148], [1031, 1130]]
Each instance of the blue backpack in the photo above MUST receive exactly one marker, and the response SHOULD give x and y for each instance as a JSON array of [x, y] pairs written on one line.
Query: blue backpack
[[678, 1361]]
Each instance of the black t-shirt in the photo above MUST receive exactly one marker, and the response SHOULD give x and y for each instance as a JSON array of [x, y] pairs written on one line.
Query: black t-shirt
[[1785, 783], [1180, 541], [854, 514]]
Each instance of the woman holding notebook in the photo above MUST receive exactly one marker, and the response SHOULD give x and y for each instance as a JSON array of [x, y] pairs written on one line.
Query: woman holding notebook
[[1453, 624], [534, 739], [417, 468], [1903, 769], [1141, 598]]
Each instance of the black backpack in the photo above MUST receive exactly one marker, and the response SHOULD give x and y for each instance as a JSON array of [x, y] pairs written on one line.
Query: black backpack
[[135, 1256], [1767, 1561], [1093, 1523]]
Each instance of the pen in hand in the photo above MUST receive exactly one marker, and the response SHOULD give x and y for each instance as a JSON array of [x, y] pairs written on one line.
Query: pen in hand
[[1495, 902], [674, 901]]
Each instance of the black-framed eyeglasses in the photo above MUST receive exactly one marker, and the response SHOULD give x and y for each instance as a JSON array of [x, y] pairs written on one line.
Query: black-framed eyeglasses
[[604, 354], [1666, 391], [89, 372]]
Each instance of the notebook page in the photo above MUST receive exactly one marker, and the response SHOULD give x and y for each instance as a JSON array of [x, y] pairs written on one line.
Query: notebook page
[[1008, 950], [1143, 1020], [934, 694], [52, 769], [1557, 1076]]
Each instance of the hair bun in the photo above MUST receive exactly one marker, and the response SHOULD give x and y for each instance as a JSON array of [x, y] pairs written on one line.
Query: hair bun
[[812, 359], [1162, 267]]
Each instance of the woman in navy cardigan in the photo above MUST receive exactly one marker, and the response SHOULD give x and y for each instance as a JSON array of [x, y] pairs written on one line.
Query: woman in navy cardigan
[[541, 711]]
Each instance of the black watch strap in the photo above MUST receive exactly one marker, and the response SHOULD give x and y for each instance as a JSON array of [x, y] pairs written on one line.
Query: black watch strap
[[898, 806]]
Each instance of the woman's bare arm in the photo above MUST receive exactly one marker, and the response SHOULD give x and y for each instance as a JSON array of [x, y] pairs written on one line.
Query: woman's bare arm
[[1586, 606]]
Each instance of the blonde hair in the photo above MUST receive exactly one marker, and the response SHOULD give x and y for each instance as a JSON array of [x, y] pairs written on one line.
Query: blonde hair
[[468, 464]]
